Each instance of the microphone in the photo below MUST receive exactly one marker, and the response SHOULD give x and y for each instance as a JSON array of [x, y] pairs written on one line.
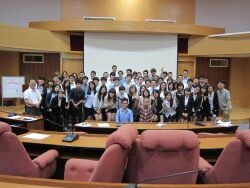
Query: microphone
[[71, 136], [12, 112], [200, 123], [134, 185]]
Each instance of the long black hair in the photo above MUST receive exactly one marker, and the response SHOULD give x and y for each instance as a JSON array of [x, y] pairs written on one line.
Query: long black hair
[[89, 90], [100, 92], [171, 100]]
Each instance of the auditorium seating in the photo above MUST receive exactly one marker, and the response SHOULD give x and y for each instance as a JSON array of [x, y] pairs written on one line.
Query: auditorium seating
[[161, 153], [111, 165], [233, 165], [14, 160]]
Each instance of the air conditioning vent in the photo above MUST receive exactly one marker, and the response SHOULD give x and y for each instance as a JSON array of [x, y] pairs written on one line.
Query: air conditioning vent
[[92, 18], [218, 62], [33, 58]]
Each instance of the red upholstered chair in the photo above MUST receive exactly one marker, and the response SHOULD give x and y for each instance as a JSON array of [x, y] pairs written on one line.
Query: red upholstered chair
[[14, 159], [233, 165], [164, 152], [111, 165]]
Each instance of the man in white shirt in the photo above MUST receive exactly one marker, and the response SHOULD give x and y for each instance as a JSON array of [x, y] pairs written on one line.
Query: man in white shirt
[[32, 99]]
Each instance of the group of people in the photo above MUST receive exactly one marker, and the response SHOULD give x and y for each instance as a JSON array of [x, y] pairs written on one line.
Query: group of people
[[134, 96]]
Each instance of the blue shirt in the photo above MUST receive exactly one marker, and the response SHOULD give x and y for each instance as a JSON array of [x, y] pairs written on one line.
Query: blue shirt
[[124, 116]]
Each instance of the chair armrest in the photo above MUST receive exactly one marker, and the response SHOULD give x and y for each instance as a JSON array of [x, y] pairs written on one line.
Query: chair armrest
[[204, 165], [46, 158], [79, 169]]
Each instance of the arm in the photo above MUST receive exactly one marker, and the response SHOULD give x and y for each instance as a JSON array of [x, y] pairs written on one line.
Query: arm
[[131, 117], [117, 118]]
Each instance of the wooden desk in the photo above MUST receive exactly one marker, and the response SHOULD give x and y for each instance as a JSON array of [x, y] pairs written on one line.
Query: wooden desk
[[153, 126], [37, 124], [23, 182], [92, 146]]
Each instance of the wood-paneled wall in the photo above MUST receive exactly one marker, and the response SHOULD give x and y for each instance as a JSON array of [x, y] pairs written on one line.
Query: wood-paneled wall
[[240, 82], [46, 70], [212, 73], [183, 11], [9, 63]]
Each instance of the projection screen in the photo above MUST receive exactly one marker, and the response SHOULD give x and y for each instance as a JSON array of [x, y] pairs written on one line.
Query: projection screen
[[135, 51]]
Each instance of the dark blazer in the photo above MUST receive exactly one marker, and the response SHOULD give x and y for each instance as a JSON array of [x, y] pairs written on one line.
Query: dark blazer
[[196, 103], [54, 105], [205, 106], [186, 108], [157, 105], [215, 104]]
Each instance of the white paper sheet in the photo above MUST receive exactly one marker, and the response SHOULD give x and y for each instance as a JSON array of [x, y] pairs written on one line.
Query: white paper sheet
[[103, 125], [36, 136], [83, 125]]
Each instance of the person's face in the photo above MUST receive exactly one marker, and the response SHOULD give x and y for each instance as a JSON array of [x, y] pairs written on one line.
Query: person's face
[[145, 93], [78, 86], [105, 74], [220, 85], [129, 79], [190, 84], [66, 84], [139, 74], [132, 90], [128, 72], [111, 94], [185, 73], [61, 95], [122, 92], [112, 77], [103, 90], [171, 86], [202, 80], [196, 81], [96, 82], [153, 84], [156, 94], [103, 82], [146, 103], [40, 82], [71, 80], [120, 74], [65, 75], [142, 89], [116, 82], [32, 84], [148, 84], [160, 81], [140, 80], [92, 75], [57, 89], [210, 89], [170, 75], [180, 78], [163, 86], [114, 69], [50, 84], [187, 93], [180, 87], [55, 79], [91, 85], [196, 90], [153, 73], [124, 104], [82, 74], [145, 74], [206, 81], [168, 96], [85, 81], [203, 90]]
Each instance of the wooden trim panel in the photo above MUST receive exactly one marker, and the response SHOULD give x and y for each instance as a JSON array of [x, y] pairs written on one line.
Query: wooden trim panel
[[127, 27]]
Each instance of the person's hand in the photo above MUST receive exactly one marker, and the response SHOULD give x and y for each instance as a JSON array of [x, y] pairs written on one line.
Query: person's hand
[[75, 105], [50, 110], [67, 107], [226, 113]]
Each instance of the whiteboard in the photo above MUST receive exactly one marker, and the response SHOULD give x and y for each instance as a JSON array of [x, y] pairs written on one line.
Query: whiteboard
[[126, 50], [12, 87]]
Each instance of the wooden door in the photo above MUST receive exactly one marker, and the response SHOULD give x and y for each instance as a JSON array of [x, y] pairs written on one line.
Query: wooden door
[[189, 65], [72, 66]]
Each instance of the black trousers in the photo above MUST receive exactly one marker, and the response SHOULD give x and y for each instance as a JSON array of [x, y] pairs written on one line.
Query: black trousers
[[33, 111], [77, 115]]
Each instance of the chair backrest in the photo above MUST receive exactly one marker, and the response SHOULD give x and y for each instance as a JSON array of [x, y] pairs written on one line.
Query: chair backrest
[[14, 159], [233, 165], [164, 152], [112, 164]]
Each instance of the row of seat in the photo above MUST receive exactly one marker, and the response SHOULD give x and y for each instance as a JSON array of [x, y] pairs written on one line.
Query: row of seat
[[156, 156]]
